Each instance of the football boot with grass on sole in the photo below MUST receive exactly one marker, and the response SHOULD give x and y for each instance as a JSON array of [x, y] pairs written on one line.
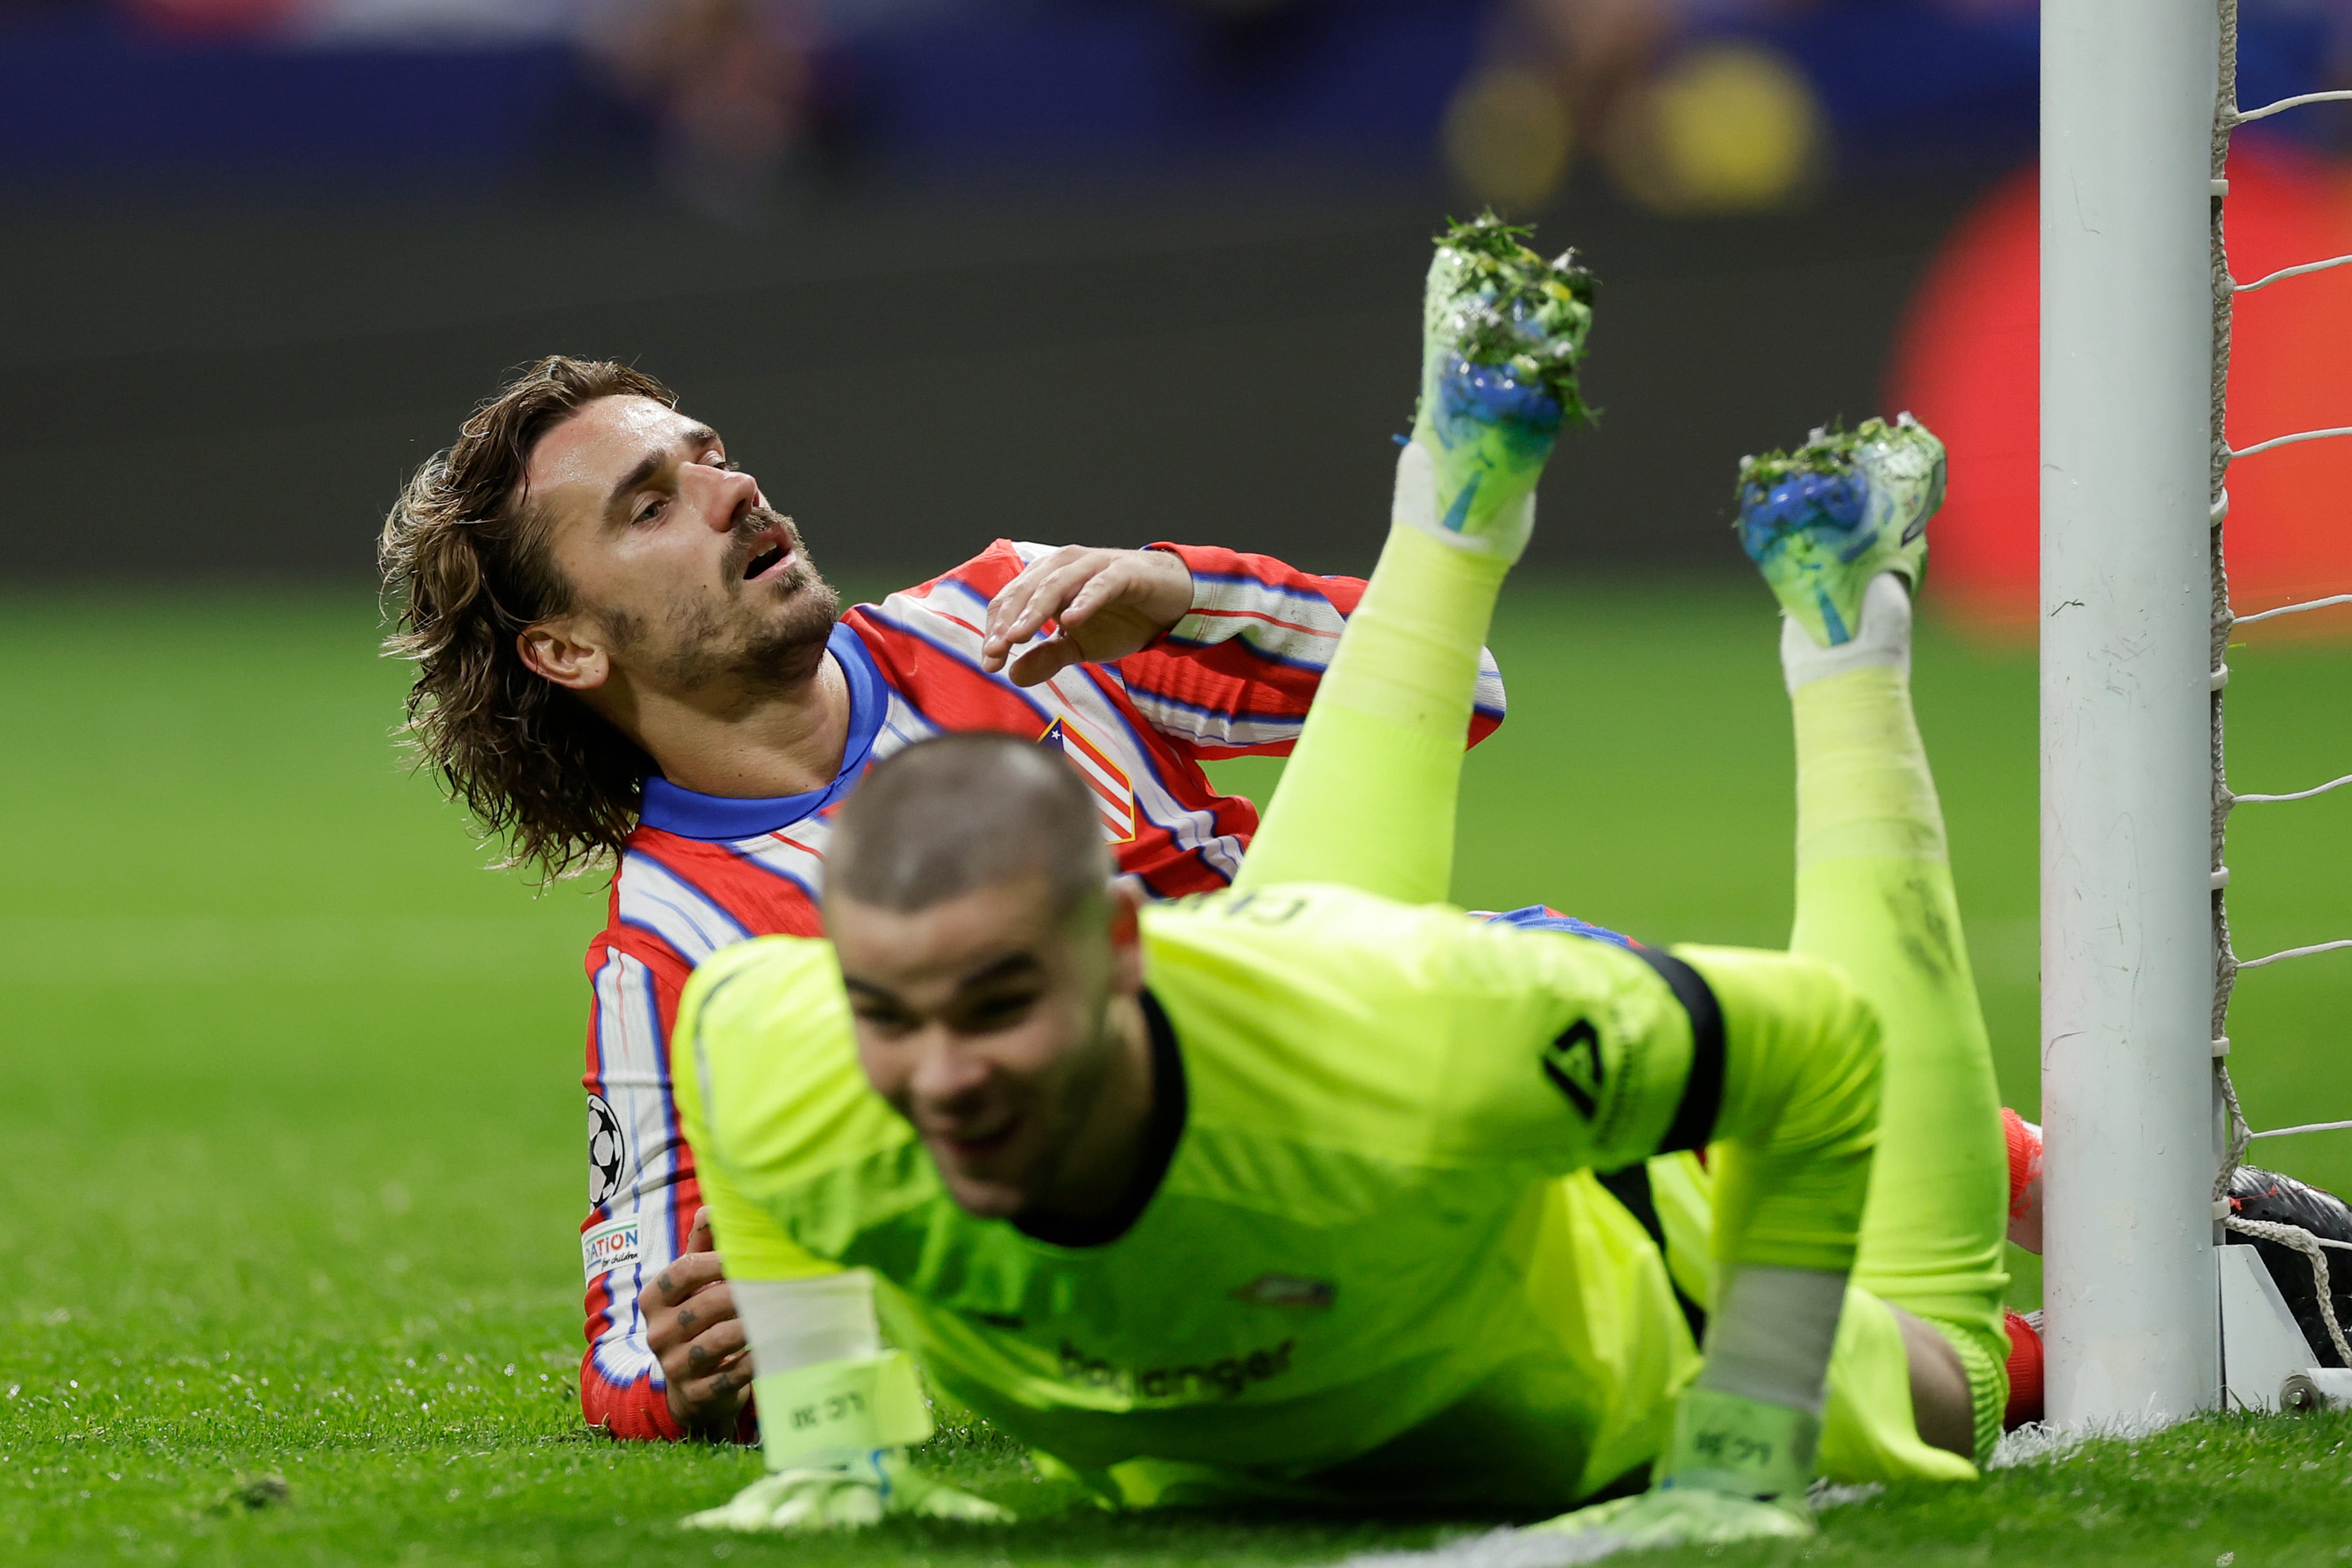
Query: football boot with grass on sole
[[1502, 331], [1821, 521]]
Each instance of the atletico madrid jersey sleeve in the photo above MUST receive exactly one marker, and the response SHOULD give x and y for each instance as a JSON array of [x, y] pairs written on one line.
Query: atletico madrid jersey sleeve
[[1234, 677], [1237, 674]]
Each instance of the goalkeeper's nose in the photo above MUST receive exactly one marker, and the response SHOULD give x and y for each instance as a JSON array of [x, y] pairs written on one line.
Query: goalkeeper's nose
[[948, 1089]]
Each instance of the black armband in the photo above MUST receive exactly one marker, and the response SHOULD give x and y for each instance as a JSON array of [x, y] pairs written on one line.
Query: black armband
[[1694, 1124]]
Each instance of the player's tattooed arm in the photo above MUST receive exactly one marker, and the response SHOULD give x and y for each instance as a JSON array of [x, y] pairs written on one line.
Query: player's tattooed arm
[[1107, 604], [692, 1328]]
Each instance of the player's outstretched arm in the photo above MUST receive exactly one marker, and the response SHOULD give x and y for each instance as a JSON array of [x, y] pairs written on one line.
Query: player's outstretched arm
[[1233, 673], [1773, 1062], [659, 1318], [1793, 1130], [837, 1411]]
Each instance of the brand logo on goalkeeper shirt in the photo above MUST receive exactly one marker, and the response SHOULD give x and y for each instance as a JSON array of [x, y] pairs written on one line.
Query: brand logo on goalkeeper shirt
[[1225, 1378], [1114, 792], [1572, 1063], [606, 1247]]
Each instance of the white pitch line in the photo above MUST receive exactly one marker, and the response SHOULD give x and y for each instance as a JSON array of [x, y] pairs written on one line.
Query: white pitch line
[[1500, 1549]]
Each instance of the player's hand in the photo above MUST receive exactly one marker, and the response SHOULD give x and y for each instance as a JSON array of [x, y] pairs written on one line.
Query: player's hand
[[692, 1327], [1107, 604], [848, 1493], [1736, 1470], [1683, 1515]]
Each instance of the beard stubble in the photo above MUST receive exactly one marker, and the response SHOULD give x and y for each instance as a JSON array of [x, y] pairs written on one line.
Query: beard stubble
[[764, 639]]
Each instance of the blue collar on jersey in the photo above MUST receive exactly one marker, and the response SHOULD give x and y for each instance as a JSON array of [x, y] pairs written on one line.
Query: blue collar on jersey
[[720, 819]]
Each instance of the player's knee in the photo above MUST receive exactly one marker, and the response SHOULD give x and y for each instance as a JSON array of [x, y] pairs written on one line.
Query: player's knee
[[1942, 1407]]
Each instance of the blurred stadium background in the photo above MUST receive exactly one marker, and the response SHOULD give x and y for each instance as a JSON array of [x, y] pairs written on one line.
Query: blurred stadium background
[[1105, 270], [1088, 268]]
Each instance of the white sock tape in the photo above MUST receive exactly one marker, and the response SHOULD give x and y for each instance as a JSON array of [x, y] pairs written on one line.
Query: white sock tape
[[1770, 1337], [798, 1322], [1413, 503], [1883, 639]]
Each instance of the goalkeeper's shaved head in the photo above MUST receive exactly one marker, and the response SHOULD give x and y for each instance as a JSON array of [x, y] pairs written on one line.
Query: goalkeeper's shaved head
[[993, 972], [964, 811]]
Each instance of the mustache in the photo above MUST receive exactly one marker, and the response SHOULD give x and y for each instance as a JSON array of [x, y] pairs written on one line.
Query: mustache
[[745, 536]]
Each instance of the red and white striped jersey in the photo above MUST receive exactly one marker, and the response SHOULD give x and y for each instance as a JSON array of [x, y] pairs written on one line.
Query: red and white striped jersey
[[1232, 679]]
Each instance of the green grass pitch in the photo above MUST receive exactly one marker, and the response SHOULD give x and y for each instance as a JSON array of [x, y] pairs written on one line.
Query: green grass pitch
[[289, 1144]]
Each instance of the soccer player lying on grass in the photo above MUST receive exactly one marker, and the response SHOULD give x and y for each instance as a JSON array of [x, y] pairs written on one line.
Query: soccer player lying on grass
[[624, 651], [1288, 1192]]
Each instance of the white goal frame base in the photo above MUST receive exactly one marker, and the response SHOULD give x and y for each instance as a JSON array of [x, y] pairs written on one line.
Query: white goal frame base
[[2266, 1362]]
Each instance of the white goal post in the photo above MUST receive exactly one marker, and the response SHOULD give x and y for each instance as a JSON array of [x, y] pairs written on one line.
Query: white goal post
[[2129, 1091], [2148, 1320]]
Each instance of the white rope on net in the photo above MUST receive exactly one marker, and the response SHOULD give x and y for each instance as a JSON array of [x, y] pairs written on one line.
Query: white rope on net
[[2225, 964], [2332, 598], [2284, 954], [2227, 115], [2278, 441], [2304, 1242], [2284, 273], [2292, 1235], [2307, 1128], [2298, 795], [2234, 117]]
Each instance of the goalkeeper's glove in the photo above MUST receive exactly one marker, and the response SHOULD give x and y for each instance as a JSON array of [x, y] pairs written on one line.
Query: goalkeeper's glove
[[844, 1490], [1737, 1471], [834, 1435]]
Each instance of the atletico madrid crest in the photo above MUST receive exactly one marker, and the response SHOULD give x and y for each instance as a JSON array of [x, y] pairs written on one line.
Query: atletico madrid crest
[[1113, 791]]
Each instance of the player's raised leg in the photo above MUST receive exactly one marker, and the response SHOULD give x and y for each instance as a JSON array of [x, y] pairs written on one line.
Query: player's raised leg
[[1839, 530], [1369, 796]]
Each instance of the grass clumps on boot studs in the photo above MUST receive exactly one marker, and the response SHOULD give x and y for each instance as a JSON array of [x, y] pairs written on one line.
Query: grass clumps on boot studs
[[1821, 521], [1503, 333]]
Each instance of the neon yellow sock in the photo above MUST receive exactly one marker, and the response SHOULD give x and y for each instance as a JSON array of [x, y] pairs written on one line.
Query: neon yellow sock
[[1368, 797], [1875, 896]]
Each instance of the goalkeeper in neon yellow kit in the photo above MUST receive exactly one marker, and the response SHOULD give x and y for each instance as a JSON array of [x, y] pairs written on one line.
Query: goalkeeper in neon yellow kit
[[1287, 1192]]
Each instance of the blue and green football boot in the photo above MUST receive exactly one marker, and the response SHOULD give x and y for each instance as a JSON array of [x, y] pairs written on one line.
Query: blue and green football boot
[[1822, 520], [1503, 331]]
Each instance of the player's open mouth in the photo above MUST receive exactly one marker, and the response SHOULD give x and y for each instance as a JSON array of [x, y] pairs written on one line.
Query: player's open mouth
[[967, 1148], [768, 560]]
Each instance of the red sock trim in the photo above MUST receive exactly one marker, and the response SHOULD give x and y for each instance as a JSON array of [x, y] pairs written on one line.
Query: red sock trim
[[2024, 1158], [2024, 1374]]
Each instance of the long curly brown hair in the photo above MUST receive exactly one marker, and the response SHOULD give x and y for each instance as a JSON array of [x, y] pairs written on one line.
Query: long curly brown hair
[[465, 561]]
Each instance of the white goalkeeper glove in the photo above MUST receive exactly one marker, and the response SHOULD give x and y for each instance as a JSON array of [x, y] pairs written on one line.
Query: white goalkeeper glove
[[845, 1492], [835, 1433], [1738, 1471]]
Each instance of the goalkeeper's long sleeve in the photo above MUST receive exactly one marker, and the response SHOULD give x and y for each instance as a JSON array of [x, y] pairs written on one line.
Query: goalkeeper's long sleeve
[[837, 1410], [1795, 1130], [1799, 1113]]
